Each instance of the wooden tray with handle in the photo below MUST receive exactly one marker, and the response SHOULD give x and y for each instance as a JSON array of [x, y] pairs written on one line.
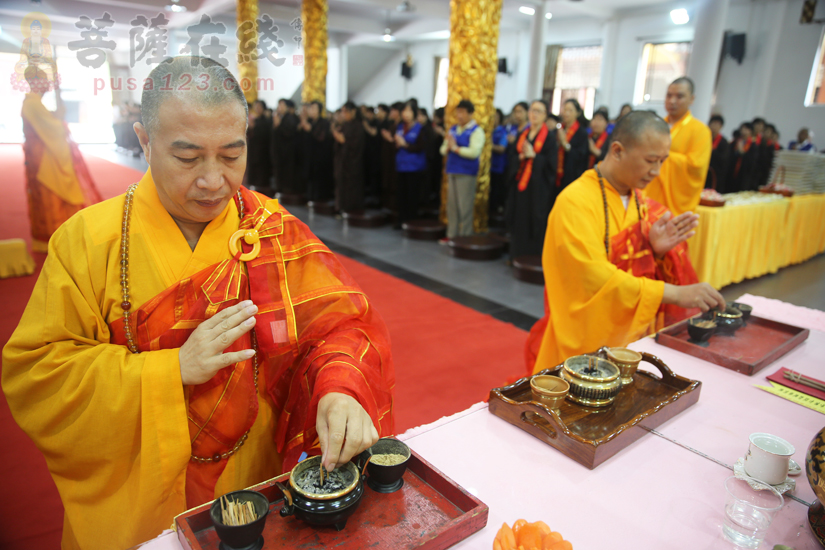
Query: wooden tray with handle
[[430, 512], [591, 436]]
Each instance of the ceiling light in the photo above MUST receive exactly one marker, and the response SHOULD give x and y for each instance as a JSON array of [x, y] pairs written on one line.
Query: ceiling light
[[548, 15], [527, 10], [177, 8], [680, 16], [388, 37]]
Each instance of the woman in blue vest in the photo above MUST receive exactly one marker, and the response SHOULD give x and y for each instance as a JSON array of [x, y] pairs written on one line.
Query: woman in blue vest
[[410, 162]]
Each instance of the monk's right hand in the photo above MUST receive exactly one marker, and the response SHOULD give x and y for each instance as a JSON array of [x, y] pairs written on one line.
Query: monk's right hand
[[202, 355], [700, 295]]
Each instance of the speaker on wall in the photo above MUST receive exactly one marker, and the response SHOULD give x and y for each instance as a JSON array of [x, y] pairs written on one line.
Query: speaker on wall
[[735, 46], [502, 65]]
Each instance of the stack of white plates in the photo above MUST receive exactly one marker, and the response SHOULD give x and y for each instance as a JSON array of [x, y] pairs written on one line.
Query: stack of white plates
[[804, 172]]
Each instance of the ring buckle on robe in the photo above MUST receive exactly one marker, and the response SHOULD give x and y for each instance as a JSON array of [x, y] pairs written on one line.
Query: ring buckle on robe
[[251, 237]]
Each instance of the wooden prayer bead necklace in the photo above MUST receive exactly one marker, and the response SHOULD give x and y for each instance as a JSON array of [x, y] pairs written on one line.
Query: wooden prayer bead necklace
[[606, 218], [126, 306]]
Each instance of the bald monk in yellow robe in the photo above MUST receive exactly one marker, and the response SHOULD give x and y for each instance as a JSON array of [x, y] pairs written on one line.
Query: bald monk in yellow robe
[[608, 282], [190, 337], [682, 178], [57, 180]]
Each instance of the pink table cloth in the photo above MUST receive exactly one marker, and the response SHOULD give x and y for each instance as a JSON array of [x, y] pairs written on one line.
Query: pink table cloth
[[654, 494]]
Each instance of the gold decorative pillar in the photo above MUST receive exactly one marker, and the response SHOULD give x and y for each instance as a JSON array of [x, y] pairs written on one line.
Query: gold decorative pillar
[[247, 15], [474, 28], [314, 40]]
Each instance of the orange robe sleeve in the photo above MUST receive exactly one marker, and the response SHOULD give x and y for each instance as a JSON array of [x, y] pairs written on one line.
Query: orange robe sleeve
[[682, 178], [111, 425], [590, 302]]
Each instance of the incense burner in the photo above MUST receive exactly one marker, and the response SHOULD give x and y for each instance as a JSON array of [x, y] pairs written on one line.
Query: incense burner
[[321, 509], [594, 381]]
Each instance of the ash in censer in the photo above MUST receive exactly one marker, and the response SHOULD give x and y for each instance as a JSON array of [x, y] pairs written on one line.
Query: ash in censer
[[337, 480]]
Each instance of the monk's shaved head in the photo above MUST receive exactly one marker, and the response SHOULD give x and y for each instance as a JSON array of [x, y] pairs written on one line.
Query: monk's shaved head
[[631, 128], [194, 78], [687, 82]]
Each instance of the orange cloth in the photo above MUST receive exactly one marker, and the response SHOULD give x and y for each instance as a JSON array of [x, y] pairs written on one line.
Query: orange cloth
[[592, 300], [115, 427], [682, 177], [54, 190]]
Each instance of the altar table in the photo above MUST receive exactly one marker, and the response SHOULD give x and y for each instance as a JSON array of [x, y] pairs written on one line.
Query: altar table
[[733, 243], [655, 494]]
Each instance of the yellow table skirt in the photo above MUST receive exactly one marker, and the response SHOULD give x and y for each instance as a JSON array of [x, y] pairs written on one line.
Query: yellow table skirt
[[733, 243], [15, 260]]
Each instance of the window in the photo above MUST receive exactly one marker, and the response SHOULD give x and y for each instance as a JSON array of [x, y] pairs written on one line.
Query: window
[[442, 69], [661, 65], [816, 90], [577, 73]]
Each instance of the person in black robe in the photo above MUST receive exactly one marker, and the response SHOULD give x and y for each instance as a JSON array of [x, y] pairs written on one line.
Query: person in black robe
[[744, 159], [599, 139], [531, 183], [317, 154], [258, 163], [388, 129], [372, 151], [719, 156], [349, 138], [435, 162], [573, 144], [285, 147]]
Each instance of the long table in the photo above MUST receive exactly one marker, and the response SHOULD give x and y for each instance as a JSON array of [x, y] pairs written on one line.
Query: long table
[[653, 494], [733, 243]]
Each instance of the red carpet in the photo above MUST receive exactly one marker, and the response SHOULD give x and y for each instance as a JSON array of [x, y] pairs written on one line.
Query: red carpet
[[447, 357]]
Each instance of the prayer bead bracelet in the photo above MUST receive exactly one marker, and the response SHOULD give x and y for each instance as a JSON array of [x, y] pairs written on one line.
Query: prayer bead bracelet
[[606, 218], [126, 306]]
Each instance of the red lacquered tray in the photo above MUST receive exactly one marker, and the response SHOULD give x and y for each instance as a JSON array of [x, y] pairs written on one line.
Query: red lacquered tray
[[752, 348], [429, 512]]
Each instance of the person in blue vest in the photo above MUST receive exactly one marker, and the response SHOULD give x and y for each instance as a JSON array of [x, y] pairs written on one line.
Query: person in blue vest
[[410, 162], [462, 147], [498, 166]]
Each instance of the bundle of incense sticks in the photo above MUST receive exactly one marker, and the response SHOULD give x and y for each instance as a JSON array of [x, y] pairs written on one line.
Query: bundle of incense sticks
[[237, 513]]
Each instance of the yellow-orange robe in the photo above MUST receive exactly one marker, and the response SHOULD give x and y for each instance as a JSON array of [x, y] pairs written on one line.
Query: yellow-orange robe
[[682, 177], [54, 189], [114, 426], [591, 302]]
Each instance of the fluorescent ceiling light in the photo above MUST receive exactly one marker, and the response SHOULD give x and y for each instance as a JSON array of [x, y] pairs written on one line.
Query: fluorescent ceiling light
[[680, 16], [527, 10], [548, 15]]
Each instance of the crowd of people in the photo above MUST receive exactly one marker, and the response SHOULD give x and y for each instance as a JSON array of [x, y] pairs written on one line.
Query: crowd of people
[[393, 157], [744, 163]]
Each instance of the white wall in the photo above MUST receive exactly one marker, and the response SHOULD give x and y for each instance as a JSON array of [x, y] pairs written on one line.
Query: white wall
[[387, 85]]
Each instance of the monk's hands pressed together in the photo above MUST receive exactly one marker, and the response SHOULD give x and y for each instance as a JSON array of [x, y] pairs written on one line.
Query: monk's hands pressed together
[[202, 355], [700, 295], [668, 231], [344, 429]]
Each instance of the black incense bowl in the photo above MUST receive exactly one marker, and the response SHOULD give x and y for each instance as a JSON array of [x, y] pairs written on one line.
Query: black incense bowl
[[241, 537], [386, 479], [744, 308], [698, 333], [322, 509], [728, 321]]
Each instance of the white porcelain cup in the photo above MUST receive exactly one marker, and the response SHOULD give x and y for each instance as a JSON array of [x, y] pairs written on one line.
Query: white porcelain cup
[[767, 458]]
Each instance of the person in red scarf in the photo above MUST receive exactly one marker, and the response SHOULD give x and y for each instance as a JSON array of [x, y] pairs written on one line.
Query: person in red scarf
[[190, 337], [532, 184], [717, 177], [573, 151], [599, 137]]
